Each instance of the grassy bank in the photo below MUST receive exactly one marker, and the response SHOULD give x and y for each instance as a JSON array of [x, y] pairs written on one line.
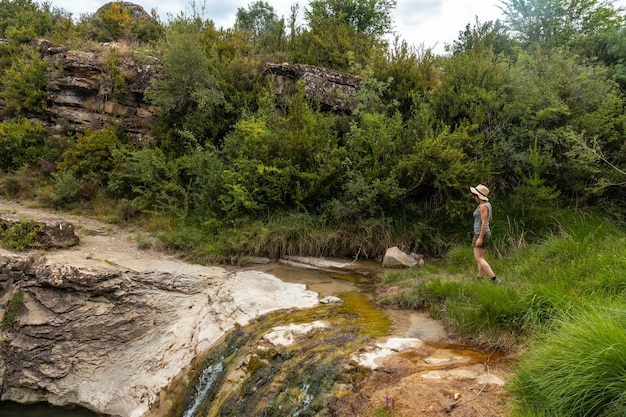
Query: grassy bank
[[562, 301]]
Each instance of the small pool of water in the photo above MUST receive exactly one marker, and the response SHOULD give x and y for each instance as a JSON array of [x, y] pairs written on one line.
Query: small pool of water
[[12, 409]]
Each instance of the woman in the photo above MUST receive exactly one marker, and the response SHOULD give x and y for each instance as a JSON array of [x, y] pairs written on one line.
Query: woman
[[482, 232]]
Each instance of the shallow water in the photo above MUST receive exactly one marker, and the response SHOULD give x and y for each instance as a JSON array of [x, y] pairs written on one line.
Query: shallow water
[[11, 409]]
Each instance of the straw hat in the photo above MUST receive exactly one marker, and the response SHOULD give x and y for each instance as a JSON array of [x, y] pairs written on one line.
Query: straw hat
[[481, 191]]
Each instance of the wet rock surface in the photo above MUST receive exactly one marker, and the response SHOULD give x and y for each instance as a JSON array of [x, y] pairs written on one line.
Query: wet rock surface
[[107, 326]]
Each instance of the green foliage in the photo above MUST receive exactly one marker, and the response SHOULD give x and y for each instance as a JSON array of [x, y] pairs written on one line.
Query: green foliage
[[373, 17], [114, 21], [13, 309], [187, 92], [488, 35], [91, 153], [23, 14], [18, 184], [147, 179], [410, 74], [65, 188], [259, 18], [21, 142], [560, 22], [200, 173], [23, 84], [331, 43], [577, 369], [20, 235], [276, 162], [120, 89], [534, 200]]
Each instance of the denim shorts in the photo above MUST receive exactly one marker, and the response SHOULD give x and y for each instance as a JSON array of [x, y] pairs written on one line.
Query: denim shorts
[[486, 240]]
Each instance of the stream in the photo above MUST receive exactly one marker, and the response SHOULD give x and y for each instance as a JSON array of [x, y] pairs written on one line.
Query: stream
[[297, 362]]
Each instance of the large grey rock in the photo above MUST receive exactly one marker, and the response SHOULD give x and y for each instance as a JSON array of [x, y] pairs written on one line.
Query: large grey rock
[[396, 258]]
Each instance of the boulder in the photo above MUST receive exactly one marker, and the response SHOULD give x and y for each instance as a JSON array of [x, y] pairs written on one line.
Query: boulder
[[52, 234], [397, 258]]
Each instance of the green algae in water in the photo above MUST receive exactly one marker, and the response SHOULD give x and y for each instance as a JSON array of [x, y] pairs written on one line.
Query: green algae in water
[[374, 322], [260, 379]]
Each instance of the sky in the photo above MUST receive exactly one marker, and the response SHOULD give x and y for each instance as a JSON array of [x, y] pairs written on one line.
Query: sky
[[428, 23]]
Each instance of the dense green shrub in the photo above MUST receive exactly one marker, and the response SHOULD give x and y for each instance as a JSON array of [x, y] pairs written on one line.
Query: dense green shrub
[[65, 189], [20, 235], [148, 179], [23, 14], [21, 142], [23, 83], [91, 153]]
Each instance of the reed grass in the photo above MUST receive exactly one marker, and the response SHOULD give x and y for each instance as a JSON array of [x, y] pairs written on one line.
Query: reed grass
[[578, 369]]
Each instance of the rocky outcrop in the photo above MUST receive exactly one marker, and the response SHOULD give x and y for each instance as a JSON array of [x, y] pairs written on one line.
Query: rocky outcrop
[[52, 234], [102, 87], [109, 333], [85, 91], [333, 89]]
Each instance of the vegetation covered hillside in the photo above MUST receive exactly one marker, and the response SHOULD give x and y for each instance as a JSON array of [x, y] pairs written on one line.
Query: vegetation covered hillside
[[531, 106]]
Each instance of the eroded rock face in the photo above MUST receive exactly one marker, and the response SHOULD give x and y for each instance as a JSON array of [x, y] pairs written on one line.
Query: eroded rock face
[[109, 335], [331, 88], [82, 94]]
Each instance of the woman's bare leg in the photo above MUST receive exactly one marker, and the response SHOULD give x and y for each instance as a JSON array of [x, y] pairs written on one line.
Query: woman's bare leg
[[483, 266]]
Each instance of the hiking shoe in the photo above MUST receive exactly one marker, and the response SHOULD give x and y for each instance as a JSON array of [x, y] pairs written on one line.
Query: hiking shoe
[[496, 281]]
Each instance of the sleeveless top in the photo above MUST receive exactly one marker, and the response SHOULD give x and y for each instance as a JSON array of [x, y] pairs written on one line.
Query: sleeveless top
[[478, 222]]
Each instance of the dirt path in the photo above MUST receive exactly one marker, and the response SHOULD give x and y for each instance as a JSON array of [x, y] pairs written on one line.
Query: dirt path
[[98, 239]]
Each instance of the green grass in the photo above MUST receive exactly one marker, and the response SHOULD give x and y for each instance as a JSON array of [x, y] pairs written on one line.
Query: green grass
[[580, 264], [13, 309], [562, 301], [578, 369]]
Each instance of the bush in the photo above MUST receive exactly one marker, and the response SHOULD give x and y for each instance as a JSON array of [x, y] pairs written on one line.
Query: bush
[[20, 235], [13, 309], [21, 142], [148, 180], [576, 370], [24, 83], [66, 189], [91, 154]]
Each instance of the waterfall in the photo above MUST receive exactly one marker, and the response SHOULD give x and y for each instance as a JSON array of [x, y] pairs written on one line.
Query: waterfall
[[205, 382]]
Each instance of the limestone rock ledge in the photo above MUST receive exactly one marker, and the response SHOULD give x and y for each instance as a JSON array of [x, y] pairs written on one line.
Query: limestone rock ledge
[[109, 336]]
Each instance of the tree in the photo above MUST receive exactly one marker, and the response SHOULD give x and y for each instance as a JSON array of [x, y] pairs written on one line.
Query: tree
[[560, 22], [186, 91], [483, 35], [259, 18], [371, 17]]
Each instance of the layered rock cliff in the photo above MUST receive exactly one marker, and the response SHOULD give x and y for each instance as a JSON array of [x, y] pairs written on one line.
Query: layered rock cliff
[[87, 91], [106, 326], [100, 87]]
